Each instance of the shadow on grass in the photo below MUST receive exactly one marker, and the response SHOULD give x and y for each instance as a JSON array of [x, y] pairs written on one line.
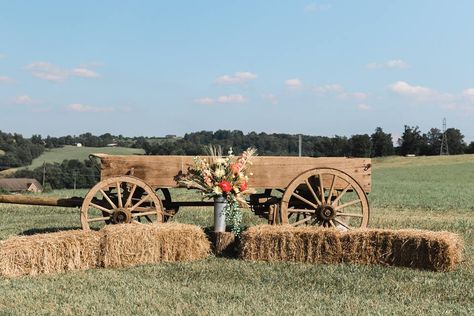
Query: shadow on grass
[[35, 231], [223, 245]]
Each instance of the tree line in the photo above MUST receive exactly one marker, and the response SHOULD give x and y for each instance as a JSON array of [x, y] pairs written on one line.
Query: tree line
[[377, 144], [16, 151], [66, 175]]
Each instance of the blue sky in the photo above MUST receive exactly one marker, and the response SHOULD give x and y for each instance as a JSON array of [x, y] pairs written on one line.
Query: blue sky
[[170, 67]]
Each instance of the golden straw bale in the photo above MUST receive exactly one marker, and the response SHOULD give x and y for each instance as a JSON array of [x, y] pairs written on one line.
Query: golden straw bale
[[422, 249], [438, 251], [131, 244], [50, 253], [287, 243]]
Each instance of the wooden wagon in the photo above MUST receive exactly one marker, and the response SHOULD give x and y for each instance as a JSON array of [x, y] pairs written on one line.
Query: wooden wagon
[[330, 192]]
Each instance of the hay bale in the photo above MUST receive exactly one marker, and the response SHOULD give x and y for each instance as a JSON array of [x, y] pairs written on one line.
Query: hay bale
[[421, 249], [438, 251], [50, 253], [287, 243], [130, 244]]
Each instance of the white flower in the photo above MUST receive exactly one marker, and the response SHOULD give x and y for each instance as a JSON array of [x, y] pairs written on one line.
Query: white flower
[[220, 161], [219, 172], [217, 190]]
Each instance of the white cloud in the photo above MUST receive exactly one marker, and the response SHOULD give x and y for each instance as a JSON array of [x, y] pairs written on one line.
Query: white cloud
[[293, 83], [84, 72], [329, 89], [469, 94], [23, 99], [237, 78], [5, 79], [364, 107], [406, 89], [316, 7], [77, 107], [270, 98], [205, 100], [53, 73], [389, 64], [339, 92], [233, 98], [223, 99], [47, 71]]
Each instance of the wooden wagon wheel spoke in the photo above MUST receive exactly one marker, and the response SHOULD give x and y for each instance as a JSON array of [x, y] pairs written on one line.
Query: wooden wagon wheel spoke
[[321, 187], [343, 192], [293, 210], [310, 187], [101, 208], [125, 209], [301, 221], [128, 203], [98, 219], [350, 214], [143, 214], [341, 223], [119, 194], [331, 190], [296, 195], [143, 200], [107, 198], [347, 204]]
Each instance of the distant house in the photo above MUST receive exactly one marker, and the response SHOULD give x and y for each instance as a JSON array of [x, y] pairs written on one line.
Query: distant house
[[78, 145], [20, 185], [171, 136], [112, 145]]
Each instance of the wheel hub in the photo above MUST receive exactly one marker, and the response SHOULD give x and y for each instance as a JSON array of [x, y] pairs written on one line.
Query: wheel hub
[[121, 216], [326, 212]]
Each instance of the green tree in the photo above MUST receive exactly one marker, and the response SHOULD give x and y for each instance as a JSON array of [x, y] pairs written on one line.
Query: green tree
[[456, 143], [411, 141], [361, 145], [382, 144]]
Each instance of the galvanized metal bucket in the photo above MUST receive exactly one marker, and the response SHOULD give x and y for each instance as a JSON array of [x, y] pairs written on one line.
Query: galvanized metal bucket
[[219, 216]]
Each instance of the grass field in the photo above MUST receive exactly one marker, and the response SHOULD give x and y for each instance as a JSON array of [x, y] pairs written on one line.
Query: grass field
[[423, 192]]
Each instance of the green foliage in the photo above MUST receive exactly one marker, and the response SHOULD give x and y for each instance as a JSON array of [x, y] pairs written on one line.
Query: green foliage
[[382, 144], [17, 151], [64, 175]]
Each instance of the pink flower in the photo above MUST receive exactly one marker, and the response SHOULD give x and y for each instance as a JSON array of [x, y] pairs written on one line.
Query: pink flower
[[235, 167], [243, 186]]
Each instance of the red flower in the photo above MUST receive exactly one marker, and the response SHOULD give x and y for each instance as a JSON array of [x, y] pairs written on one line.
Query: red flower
[[244, 186], [225, 186]]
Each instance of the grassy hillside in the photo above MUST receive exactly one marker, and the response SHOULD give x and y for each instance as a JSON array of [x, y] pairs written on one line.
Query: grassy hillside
[[80, 153], [424, 193]]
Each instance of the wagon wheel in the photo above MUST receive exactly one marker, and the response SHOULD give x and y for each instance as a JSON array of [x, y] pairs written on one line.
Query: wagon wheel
[[326, 197], [119, 200], [166, 201]]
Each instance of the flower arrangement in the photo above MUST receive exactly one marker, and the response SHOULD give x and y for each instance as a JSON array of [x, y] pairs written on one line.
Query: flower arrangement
[[223, 175]]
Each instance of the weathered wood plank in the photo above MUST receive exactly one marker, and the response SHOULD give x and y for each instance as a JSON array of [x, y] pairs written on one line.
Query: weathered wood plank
[[269, 171]]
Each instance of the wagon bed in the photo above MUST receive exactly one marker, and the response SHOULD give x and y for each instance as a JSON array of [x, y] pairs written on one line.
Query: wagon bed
[[268, 171]]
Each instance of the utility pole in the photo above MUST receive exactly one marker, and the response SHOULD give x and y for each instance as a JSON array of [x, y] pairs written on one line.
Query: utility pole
[[444, 142], [75, 177], [44, 172], [299, 145]]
